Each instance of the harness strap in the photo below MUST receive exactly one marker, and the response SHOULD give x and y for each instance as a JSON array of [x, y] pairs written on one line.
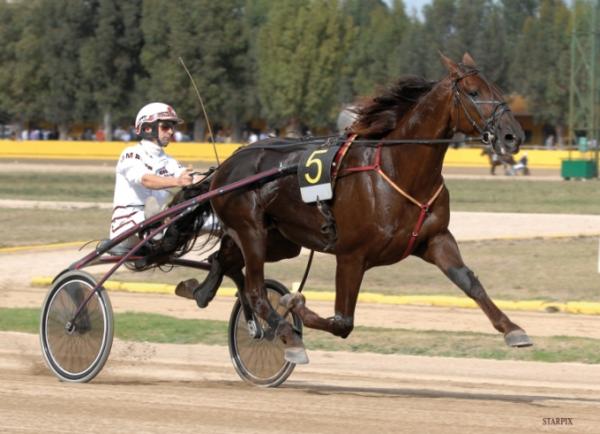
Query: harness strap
[[340, 155], [376, 166], [420, 221]]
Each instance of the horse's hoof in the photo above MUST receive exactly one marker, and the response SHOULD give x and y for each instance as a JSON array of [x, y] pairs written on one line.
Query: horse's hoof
[[186, 288], [296, 355], [517, 338]]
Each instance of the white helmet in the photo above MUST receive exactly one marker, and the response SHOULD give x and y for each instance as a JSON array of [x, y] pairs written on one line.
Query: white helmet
[[153, 112]]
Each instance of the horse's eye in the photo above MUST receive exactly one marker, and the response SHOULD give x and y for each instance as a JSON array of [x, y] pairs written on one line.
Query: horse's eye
[[473, 93]]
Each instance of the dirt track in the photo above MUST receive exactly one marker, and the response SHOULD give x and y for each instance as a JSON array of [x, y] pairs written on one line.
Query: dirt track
[[194, 388], [180, 389]]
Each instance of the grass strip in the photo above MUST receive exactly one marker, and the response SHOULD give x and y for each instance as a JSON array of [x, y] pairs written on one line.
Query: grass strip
[[466, 194], [144, 327]]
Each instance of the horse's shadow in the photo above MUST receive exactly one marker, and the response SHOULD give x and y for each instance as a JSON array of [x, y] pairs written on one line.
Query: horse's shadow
[[358, 391], [406, 392]]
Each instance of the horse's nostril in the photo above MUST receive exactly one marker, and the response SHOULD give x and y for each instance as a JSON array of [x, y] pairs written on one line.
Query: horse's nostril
[[509, 138]]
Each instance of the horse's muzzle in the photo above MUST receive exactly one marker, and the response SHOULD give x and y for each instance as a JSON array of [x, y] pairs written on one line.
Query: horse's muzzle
[[504, 140]]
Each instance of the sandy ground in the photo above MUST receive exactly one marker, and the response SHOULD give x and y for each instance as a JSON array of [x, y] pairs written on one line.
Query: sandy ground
[[151, 388], [184, 389]]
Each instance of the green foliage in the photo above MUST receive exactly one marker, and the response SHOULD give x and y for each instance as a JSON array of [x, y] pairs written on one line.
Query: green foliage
[[300, 53], [211, 38], [65, 97], [375, 54], [20, 70], [110, 57], [541, 68], [290, 61]]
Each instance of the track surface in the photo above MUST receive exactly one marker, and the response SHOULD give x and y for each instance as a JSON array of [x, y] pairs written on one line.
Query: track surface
[[194, 388], [181, 389]]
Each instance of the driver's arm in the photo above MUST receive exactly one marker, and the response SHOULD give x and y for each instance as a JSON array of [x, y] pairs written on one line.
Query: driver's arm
[[155, 182]]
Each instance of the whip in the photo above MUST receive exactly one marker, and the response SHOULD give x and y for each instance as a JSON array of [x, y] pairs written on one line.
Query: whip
[[210, 133]]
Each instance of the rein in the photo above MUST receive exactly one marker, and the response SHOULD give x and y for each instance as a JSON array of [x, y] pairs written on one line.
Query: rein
[[320, 141]]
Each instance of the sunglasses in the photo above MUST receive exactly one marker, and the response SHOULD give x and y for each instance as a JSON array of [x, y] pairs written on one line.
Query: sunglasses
[[165, 126]]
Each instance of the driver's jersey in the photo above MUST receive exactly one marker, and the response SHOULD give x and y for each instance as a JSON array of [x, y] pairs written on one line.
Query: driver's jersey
[[130, 195]]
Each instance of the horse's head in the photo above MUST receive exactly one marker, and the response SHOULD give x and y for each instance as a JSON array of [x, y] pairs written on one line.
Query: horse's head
[[479, 108]]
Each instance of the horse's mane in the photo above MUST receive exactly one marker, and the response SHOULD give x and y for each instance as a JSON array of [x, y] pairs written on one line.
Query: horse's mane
[[378, 116]]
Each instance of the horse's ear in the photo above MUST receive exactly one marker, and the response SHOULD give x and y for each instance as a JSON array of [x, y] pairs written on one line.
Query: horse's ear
[[450, 65], [467, 60]]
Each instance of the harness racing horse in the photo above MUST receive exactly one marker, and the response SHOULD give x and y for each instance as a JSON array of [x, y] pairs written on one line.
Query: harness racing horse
[[390, 200]]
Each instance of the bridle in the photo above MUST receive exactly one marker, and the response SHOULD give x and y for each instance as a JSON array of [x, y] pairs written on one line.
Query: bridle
[[486, 127]]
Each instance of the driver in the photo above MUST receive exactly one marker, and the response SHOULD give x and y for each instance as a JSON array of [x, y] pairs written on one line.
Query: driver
[[145, 172]]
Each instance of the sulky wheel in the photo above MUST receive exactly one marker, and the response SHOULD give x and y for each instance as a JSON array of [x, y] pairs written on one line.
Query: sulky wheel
[[76, 350], [256, 353]]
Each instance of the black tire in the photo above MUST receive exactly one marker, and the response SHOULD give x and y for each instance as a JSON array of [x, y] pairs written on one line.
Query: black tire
[[79, 354], [260, 361]]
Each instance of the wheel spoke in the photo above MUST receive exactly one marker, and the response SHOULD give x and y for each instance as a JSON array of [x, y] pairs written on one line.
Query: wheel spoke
[[260, 361], [80, 353]]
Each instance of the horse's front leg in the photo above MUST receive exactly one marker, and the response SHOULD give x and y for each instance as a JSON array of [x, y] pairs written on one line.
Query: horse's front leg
[[348, 277], [442, 251]]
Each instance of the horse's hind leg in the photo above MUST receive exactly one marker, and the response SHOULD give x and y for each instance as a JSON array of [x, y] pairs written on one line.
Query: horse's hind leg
[[252, 240], [229, 261], [348, 277], [442, 251]]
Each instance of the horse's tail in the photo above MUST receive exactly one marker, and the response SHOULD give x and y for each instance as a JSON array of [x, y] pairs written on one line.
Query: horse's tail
[[182, 236]]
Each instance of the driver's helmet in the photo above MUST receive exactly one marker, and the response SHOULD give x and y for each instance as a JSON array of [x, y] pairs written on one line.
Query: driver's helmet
[[151, 114]]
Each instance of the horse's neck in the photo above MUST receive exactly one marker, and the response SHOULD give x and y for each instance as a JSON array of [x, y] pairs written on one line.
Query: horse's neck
[[429, 119]]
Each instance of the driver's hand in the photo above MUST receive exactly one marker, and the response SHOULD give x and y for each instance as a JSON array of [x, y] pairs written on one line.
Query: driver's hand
[[197, 177], [185, 178]]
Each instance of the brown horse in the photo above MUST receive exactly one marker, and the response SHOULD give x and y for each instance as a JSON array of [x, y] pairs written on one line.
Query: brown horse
[[390, 200]]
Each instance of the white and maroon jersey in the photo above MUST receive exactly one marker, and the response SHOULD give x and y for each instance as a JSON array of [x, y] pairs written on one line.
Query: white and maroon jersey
[[130, 195]]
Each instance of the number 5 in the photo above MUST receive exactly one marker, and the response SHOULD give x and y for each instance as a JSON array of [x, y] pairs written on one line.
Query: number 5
[[313, 159]]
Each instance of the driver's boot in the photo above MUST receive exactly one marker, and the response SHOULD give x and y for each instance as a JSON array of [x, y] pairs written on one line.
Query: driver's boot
[[203, 292]]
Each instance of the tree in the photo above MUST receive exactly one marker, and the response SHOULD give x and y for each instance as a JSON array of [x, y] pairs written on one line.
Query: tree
[[515, 13], [458, 26], [9, 35], [301, 49], [481, 32], [211, 38], [110, 58], [376, 48], [21, 77], [65, 97], [438, 29], [541, 68]]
